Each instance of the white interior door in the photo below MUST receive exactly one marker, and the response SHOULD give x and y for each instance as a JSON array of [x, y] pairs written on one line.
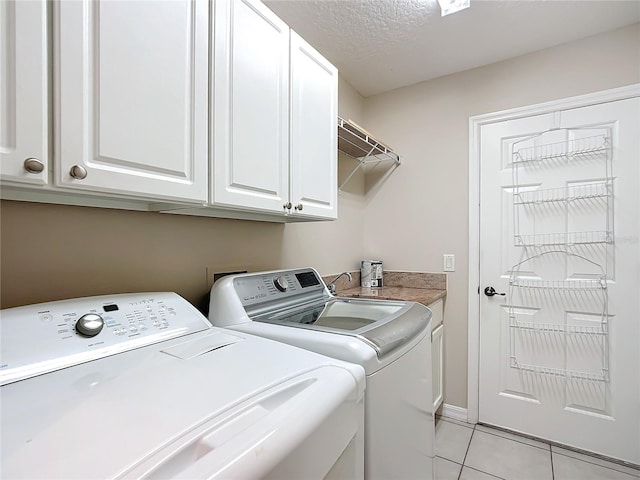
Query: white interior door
[[559, 229]]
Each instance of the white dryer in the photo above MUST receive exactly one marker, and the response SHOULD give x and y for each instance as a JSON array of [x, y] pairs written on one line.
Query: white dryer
[[141, 386], [390, 339]]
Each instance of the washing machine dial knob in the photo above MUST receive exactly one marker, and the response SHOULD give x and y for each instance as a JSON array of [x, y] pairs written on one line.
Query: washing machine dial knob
[[281, 284], [89, 325]]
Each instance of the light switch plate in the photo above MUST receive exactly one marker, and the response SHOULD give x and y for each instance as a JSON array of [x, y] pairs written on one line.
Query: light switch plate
[[449, 262]]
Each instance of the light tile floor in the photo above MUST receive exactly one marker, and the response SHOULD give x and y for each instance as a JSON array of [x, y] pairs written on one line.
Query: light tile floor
[[476, 452]]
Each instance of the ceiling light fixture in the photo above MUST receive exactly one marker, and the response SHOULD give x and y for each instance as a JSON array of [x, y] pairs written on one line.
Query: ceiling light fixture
[[453, 6]]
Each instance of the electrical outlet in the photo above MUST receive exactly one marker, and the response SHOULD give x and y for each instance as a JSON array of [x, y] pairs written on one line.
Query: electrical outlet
[[449, 261]]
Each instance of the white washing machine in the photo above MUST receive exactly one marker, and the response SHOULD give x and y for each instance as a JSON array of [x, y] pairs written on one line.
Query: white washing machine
[[141, 386], [390, 339]]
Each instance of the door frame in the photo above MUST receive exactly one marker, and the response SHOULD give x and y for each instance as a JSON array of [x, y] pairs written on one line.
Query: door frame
[[475, 124]]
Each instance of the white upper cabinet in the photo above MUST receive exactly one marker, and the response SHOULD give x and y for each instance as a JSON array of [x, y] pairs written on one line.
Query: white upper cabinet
[[314, 150], [211, 108], [132, 97], [250, 130], [24, 139], [275, 110]]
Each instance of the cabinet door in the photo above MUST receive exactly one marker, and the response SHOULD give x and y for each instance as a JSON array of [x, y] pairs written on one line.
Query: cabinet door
[[437, 342], [24, 150], [314, 150], [437, 351], [251, 110], [132, 97]]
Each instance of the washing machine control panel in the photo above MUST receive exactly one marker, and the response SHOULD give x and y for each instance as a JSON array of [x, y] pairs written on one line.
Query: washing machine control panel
[[254, 289], [48, 336]]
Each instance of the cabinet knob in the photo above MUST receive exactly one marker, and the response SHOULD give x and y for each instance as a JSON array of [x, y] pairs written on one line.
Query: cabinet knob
[[33, 165], [78, 172], [287, 206], [299, 207]]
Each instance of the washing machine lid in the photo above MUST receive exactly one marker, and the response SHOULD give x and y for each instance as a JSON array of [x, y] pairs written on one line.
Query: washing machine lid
[[384, 325], [200, 405]]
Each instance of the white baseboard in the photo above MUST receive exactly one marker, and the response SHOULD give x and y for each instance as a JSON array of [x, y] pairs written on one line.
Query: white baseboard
[[457, 413]]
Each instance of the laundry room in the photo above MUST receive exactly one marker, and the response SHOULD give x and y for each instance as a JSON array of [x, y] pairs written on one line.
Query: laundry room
[[114, 181]]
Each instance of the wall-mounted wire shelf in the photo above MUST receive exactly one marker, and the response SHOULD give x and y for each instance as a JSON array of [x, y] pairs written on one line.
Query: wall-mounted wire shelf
[[600, 329], [564, 285], [595, 147], [563, 239], [563, 194], [355, 142], [562, 373]]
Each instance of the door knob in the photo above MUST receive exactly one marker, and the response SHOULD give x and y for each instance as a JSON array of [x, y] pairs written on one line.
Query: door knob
[[490, 292]]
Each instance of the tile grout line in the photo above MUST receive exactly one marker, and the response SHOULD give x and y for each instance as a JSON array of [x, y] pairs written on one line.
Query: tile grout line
[[586, 458], [485, 473], [464, 460], [619, 466], [473, 430], [612, 465], [517, 441], [454, 421]]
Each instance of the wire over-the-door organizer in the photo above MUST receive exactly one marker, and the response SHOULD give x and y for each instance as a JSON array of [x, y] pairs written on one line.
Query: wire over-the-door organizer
[[558, 295]]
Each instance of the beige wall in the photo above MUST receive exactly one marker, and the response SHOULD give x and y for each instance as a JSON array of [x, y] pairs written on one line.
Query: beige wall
[[50, 252], [422, 211]]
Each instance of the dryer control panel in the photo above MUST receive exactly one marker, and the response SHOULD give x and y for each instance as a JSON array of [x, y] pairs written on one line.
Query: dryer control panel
[[41, 338]]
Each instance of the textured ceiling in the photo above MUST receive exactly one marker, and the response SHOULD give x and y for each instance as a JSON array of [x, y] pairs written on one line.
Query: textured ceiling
[[380, 45]]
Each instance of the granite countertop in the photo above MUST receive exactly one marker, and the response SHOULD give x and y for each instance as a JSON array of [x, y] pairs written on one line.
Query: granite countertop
[[420, 287], [426, 296]]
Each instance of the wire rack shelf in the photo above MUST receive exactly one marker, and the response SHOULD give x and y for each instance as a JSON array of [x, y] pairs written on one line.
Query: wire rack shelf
[[563, 285], [563, 239], [600, 329], [355, 142], [595, 147], [562, 373], [563, 194]]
